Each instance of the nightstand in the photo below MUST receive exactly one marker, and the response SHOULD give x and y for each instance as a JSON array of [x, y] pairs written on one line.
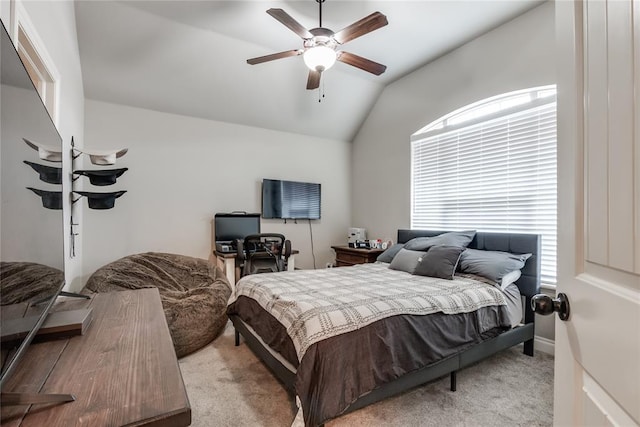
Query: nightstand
[[346, 256]]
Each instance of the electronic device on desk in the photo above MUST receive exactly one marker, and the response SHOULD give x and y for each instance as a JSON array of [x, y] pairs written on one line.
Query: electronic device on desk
[[354, 235], [229, 227]]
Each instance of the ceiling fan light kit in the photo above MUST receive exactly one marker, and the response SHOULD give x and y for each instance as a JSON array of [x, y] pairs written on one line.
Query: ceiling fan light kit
[[319, 58], [320, 45]]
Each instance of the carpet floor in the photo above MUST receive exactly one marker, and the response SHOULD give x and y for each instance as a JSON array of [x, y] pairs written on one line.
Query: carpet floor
[[229, 386]]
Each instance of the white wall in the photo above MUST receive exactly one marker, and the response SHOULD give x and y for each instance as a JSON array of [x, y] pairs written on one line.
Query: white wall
[[182, 170], [516, 55], [54, 23]]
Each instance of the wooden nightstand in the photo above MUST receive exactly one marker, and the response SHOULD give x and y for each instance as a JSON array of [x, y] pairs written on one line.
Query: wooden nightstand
[[346, 256]]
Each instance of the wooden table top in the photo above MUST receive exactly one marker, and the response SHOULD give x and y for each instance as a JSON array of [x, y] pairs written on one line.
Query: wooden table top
[[123, 371]]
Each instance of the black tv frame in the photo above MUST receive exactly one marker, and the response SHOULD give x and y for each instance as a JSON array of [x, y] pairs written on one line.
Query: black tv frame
[[14, 68], [281, 216]]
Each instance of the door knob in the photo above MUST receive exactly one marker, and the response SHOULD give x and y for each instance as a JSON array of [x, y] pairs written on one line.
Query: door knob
[[545, 305]]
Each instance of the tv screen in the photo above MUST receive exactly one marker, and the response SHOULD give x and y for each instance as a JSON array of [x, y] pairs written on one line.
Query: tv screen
[[229, 227], [31, 247], [290, 199]]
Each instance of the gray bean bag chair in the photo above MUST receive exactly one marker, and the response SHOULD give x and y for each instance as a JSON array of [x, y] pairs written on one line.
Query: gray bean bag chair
[[194, 293]]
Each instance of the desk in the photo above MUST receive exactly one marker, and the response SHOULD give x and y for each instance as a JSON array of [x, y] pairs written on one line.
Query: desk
[[227, 262], [123, 371]]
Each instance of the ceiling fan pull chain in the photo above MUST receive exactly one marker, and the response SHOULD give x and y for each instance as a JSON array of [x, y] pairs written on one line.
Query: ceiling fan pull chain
[[321, 91]]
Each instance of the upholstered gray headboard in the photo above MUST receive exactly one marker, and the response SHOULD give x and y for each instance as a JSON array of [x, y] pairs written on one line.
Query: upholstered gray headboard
[[529, 282]]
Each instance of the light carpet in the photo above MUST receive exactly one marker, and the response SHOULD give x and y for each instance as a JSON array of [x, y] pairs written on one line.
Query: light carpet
[[229, 386]]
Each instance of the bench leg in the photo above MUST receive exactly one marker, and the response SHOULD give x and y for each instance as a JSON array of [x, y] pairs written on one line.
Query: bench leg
[[453, 381], [237, 337]]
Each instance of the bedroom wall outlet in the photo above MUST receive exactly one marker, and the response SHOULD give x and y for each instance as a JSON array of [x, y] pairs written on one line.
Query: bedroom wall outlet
[[329, 265]]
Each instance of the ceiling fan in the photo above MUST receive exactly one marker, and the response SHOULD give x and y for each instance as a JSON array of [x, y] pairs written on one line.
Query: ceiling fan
[[320, 45]]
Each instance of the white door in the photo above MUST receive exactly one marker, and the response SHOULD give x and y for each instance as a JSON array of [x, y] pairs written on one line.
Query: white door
[[597, 367]]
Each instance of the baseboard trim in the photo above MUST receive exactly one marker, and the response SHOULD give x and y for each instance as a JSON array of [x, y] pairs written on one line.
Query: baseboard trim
[[544, 345]]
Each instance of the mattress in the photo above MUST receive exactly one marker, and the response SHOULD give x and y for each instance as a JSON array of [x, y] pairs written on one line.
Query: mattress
[[333, 372]]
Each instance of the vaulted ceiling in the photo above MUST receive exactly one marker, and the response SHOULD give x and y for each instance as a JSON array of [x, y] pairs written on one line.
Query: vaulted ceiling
[[189, 57]]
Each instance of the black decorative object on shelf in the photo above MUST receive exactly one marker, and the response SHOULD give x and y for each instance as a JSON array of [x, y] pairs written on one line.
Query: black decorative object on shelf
[[102, 177], [48, 174], [50, 199], [100, 200]]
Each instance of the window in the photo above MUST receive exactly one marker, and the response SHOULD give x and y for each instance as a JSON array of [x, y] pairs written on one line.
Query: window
[[36, 60], [491, 166]]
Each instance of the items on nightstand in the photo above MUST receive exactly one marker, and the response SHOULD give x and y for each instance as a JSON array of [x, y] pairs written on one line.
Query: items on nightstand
[[355, 234]]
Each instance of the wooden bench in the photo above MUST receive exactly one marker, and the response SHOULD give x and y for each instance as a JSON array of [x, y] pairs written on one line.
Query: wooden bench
[[123, 371]]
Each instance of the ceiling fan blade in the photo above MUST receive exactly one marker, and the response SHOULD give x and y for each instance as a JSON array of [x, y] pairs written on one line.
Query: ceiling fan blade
[[362, 63], [273, 56], [290, 23], [360, 28], [313, 82]]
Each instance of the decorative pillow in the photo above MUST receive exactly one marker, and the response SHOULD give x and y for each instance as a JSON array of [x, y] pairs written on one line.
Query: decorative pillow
[[406, 260], [493, 265], [388, 255], [439, 261], [452, 238]]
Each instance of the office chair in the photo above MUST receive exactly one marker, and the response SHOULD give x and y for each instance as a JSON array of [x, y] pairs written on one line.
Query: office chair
[[263, 253]]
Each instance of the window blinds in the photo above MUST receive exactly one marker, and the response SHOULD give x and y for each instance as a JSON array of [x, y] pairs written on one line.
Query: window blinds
[[497, 175]]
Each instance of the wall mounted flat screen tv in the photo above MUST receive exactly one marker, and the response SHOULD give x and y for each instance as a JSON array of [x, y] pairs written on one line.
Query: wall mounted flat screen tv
[[290, 199]]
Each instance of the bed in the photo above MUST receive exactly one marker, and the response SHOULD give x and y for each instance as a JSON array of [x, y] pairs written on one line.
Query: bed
[[369, 357]]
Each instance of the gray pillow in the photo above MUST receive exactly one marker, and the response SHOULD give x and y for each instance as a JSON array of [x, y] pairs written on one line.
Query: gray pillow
[[390, 253], [439, 261], [406, 260], [452, 238], [491, 264]]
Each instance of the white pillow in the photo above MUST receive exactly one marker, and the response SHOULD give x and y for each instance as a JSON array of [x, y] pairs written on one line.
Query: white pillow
[[510, 278]]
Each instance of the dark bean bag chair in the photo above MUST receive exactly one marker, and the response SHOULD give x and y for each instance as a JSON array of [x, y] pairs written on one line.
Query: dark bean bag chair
[[27, 281], [194, 293]]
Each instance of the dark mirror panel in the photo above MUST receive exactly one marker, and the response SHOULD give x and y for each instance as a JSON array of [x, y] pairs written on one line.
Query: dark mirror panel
[[31, 251]]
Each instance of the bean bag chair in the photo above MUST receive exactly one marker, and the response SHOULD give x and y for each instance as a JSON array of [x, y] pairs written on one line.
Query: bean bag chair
[[27, 281], [194, 293]]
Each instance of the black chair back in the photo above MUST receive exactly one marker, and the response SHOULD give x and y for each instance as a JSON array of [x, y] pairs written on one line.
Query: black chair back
[[263, 253]]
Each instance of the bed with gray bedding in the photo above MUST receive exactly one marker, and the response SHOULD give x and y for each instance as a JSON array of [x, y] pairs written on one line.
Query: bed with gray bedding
[[346, 337]]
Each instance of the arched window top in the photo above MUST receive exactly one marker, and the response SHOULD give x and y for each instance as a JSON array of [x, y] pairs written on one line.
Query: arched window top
[[488, 108]]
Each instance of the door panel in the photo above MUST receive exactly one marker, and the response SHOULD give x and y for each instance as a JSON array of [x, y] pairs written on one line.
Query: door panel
[[620, 126], [598, 408], [598, 348], [597, 171]]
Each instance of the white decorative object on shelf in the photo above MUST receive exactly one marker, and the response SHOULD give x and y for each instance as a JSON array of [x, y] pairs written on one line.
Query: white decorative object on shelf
[[103, 157], [45, 152]]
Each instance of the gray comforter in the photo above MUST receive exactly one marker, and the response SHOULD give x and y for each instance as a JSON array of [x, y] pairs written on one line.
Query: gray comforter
[[350, 330]]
